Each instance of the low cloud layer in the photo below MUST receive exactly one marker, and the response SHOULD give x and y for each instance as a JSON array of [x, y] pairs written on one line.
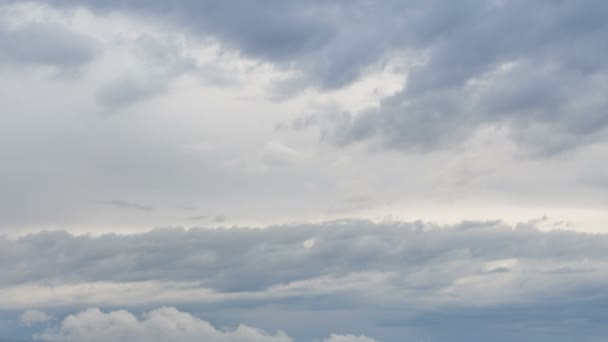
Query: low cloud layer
[[164, 324], [410, 277]]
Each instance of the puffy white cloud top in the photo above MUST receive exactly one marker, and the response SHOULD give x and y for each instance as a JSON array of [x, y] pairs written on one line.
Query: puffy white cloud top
[[349, 338], [161, 325]]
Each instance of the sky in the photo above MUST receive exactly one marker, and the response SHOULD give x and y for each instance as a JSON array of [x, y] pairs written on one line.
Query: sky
[[325, 171]]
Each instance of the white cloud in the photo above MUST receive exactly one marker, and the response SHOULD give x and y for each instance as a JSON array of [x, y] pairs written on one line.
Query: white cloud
[[161, 325], [414, 265], [349, 338]]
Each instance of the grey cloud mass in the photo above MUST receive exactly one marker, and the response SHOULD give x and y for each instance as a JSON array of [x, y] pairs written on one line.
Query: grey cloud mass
[[534, 67], [391, 279], [163, 60], [45, 45]]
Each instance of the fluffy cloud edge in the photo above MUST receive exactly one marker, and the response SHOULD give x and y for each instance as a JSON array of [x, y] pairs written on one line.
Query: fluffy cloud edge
[[162, 324]]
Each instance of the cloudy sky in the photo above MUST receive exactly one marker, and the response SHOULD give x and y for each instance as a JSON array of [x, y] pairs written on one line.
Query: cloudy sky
[[295, 171]]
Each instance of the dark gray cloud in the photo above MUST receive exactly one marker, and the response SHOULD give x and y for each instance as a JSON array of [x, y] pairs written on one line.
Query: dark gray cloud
[[281, 32], [535, 67], [256, 259], [532, 67]]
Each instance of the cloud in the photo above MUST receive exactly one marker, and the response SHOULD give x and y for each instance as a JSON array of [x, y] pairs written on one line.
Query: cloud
[[124, 92], [45, 45], [58, 140], [349, 338], [198, 217], [533, 67], [281, 32], [277, 154], [32, 317], [253, 260], [160, 60], [408, 277], [495, 64], [164, 324], [125, 204]]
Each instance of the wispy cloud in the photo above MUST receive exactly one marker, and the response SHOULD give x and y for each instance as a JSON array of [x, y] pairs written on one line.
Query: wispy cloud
[[122, 204]]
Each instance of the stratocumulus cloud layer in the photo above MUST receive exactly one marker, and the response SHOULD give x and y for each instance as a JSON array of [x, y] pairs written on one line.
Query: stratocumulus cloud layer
[[350, 277]]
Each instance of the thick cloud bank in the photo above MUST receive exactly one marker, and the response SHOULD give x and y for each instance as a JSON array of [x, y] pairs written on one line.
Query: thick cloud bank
[[353, 277]]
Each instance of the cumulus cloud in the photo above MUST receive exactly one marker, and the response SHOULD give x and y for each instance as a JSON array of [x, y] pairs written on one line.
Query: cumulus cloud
[[31, 317], [349, 338], [164, 324]]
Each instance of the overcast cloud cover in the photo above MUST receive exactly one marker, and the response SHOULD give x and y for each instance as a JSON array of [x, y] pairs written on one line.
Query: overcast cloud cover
[[320, 171]]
